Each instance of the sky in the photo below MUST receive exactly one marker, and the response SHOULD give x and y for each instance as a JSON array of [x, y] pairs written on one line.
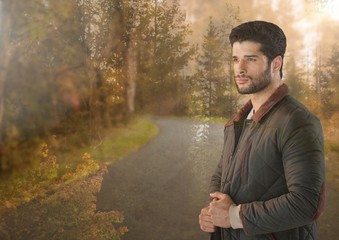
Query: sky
[[311, 26]]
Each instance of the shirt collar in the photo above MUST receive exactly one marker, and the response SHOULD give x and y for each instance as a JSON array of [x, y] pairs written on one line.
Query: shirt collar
[[249, 116]]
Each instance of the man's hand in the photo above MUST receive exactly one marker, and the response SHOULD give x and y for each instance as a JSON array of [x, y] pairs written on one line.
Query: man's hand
[[205, 221], [219, 209]]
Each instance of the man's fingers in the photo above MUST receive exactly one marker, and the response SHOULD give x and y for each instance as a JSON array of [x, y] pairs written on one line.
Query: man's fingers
[[205, 210], [205, 215], [205, 221], [217, 195], [208, 229]]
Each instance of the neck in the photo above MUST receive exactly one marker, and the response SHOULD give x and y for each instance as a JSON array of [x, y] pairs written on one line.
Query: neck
[[261, 97]]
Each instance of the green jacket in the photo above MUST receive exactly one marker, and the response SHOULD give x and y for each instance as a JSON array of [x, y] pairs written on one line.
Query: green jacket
[[273, 165]]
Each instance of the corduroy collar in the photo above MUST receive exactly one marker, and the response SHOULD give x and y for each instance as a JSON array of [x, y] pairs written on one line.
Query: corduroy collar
[[278, 95]]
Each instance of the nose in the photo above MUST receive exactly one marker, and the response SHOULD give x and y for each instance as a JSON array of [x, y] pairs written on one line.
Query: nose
[[240, 67]]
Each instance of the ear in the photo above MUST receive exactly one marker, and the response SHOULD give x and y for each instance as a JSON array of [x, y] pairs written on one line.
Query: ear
[[277, 63]]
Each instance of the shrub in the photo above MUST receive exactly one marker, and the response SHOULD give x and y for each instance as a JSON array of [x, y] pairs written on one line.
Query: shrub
[[69, 213], [45, 205]]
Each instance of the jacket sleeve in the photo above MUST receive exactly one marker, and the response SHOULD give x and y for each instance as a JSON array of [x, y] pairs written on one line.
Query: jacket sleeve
[[301, 143]]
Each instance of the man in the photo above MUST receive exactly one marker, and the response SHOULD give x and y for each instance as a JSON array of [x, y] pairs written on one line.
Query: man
[[269, 183]]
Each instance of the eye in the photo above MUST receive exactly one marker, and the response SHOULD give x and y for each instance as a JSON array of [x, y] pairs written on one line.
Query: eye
[[250, 59], [235, 60]]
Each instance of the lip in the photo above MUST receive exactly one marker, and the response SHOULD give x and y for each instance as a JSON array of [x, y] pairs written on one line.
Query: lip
[[240, 80]]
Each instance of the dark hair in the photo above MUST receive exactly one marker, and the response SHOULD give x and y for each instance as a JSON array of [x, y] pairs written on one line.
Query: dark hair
[[270, 36]]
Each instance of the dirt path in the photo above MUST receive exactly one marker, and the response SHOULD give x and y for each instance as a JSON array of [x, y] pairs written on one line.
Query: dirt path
[[161, 188]]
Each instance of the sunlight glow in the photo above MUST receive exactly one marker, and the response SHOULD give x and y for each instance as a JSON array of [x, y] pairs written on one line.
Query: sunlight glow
[[331, 9]]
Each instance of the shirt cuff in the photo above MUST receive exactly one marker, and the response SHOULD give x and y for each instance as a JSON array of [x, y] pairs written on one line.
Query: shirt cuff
[[235, 216]]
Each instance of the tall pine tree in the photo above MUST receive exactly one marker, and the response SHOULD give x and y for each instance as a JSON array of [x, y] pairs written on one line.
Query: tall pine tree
[[209, 81]]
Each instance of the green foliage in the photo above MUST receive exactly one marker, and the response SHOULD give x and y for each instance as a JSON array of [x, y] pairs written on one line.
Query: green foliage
[[56, 199], [63, 206], [39, 92], [213, 91], [72, 66], [55, 167], [54, 85], [331, 85], [24, 186], [298, 88], [163, 52], [210, 78]]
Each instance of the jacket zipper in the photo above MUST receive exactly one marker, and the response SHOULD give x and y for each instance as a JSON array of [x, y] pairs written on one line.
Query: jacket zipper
[[244, 162], [230, 159]]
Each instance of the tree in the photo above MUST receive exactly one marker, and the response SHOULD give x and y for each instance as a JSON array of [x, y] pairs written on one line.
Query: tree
[[45, 66], [231, 19], [113, 44], [5, 56], [210, 76], [214, 90], [163, 53], [329, 83], [137, 43], [293, 77]]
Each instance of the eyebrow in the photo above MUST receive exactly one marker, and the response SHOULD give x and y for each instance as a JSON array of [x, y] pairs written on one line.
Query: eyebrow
[[253, 55], [248, 56]]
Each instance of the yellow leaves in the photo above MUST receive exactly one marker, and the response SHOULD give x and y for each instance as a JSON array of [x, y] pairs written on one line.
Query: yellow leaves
[[332, 132], [8, 204], [86, 156], [27, 196], [123, 230], [64, 198], [67, 176], [70, 213], [88, 166], [46, 177], [89, 162], [48, 168], [44, 150]]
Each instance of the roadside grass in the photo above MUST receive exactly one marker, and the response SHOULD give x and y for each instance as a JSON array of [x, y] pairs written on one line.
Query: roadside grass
[[120, 142], [59, 194]]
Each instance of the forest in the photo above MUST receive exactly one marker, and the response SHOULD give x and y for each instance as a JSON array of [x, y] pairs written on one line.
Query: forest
[[72, 69]]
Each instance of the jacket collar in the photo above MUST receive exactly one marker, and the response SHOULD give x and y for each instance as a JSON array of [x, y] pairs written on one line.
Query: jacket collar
[[278, 95]]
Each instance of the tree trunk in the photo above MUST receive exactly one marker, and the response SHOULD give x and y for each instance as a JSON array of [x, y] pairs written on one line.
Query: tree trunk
[[5, 55], [131, 76]]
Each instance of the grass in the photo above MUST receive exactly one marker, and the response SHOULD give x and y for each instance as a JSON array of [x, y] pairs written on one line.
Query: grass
[[62, 199], [63, 168], [120, 142]]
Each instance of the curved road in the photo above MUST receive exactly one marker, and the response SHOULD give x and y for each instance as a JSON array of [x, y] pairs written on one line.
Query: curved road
[[161, 188]]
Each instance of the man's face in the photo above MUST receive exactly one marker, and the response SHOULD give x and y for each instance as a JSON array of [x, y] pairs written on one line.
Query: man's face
[[251, 68]]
